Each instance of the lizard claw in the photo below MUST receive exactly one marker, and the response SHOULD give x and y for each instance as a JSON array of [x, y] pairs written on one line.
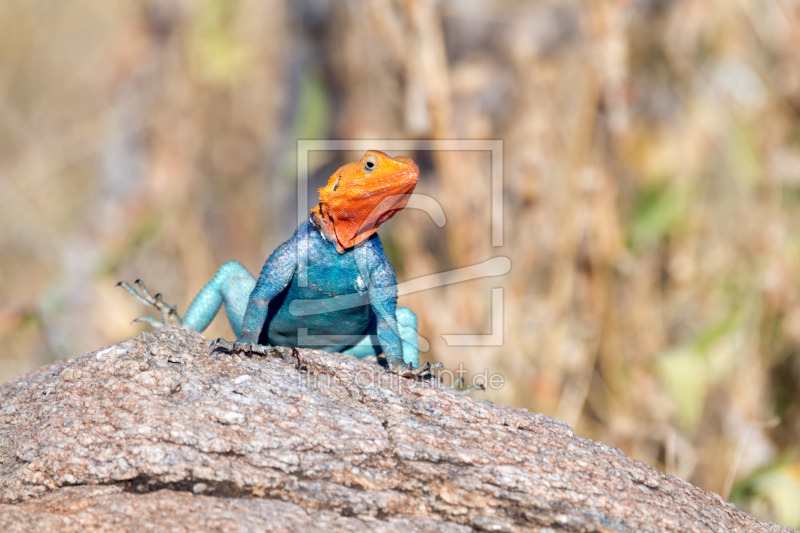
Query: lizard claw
[[222, 344], [240, 347], [169, 313], [147, 320], [423, 372]]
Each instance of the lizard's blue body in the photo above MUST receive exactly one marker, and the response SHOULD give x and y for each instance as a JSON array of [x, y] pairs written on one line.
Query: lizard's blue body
[[310, 295]]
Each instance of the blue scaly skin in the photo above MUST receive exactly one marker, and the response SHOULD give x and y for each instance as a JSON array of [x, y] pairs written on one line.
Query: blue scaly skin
[[330, 286]]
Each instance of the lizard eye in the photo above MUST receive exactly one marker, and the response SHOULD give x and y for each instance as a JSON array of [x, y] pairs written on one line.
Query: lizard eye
[[370, 163], [336, 183]]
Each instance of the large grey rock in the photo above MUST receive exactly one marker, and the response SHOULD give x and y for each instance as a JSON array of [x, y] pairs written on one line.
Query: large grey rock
[[157, 433]]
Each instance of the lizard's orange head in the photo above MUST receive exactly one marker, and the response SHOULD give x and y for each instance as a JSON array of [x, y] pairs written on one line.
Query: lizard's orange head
[[361, 196]]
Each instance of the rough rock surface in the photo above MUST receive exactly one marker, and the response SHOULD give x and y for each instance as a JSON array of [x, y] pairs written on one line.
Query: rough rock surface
[[157, 433]]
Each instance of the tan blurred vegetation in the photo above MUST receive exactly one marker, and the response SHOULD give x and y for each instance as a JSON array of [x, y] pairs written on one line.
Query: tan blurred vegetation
[[651, 192]]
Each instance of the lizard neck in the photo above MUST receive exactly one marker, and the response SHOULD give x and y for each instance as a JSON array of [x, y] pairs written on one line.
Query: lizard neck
[[325, 229]]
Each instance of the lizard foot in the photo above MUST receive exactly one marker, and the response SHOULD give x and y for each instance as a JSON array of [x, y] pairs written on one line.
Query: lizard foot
[[240, 347], [423, 372], [169, 313]]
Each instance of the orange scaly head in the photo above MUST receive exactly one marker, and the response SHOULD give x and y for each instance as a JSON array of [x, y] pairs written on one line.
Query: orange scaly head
[[361, 196]]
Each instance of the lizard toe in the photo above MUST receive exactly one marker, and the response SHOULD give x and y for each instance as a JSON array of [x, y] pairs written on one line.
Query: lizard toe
[[169, 313], [422, 372]]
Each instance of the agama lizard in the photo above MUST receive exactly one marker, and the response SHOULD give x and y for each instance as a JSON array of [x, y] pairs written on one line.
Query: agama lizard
[[329, 287]]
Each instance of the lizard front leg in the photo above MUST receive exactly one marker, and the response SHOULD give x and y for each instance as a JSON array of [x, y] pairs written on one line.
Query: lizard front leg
[[275, 276], [370, 345], [396, 326], [247, 341], [397, 331]]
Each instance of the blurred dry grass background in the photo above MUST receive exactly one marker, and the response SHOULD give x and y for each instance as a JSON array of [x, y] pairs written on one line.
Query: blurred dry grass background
[[651, 192]]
